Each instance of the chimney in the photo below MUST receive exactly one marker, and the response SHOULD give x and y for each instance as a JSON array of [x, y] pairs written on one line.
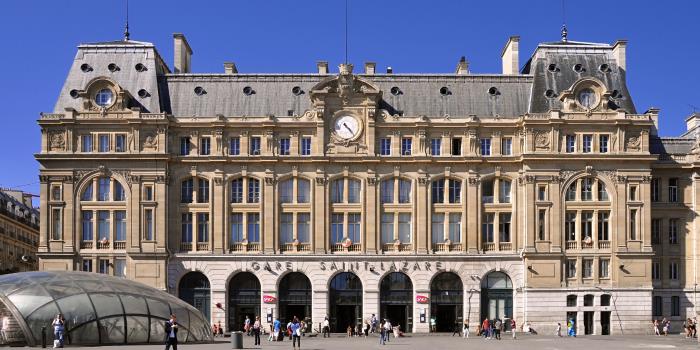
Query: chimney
[[230, 68], [692, 121], [183, 54], [509, 56], [389, 70], [462, 66], [370, 67], [322, 67], [620, 52]]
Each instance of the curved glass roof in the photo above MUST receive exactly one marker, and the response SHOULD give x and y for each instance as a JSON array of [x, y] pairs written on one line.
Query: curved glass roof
[[99, 309]]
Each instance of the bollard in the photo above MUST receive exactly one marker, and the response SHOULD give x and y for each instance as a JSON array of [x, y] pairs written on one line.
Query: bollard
[[43, 337], [236, 340]]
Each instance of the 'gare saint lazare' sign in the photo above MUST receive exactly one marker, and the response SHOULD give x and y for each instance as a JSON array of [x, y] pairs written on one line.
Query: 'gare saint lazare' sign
[[403, 266]]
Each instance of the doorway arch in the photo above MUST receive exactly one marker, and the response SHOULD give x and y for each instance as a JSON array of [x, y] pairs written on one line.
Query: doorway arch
[[396, 300], [194, 289], [243, 300], [446, 301], [294, 297], [496, 296], [345, 301]]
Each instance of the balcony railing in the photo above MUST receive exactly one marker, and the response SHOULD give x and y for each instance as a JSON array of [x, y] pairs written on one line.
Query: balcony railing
[[120, 245], [586, 245], [103, 245], [571, 245], [299, 247], [505, 246], [447, 247], [201, 246], [488, 246], [400, 247], [86, 245], [185, 246], [603, 244], [340, 247], [244, 247]]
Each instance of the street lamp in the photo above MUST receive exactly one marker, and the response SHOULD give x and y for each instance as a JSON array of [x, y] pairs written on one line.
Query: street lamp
[[619, 321], [469, 306]]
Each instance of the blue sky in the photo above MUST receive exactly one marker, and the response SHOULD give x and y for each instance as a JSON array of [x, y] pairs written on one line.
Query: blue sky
[[40, 39]]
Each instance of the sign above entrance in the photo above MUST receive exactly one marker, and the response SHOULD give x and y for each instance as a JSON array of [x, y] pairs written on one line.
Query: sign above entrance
[[421, 299], [269, 299]]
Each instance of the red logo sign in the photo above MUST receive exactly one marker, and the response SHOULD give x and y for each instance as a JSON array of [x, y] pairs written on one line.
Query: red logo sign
[[269, 299], [421, 299]]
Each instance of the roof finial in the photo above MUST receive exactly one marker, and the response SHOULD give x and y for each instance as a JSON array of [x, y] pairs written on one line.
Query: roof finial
[[126, 28], [564, 33]]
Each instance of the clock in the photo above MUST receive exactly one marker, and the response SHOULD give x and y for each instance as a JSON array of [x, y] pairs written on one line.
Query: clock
[[347, 127]]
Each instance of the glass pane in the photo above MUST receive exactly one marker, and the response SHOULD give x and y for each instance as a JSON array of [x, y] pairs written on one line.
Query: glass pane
[[86, 334], [29, 299], [106, 304], [77, 310], [136, 329], [159, 309], [157, 330], [134, 304], [60, 290], [93, 286], [112, 330], [41, 318]]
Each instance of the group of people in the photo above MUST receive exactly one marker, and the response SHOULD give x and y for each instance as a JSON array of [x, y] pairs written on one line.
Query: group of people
[[217, 330], [386, 329], [490, 329]]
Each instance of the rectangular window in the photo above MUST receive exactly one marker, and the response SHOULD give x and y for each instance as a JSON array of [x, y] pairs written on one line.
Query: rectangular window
[[86, 143], [603, 140], [541, 224], [387, 228], [570, 268], [655, 231], [655, 189], [186, 229], [485, 147], [148, 193], [673, 231], [404, 191], [437, 191], [455, 233], [56, 193], [633, 193], [303, 191], [186, 190], [571, 192], [570, 226], [603, 225], [587, 189], [436, 146], [504, 191], [507, 146], [587, 268], [456, 146], [120, 225], [303, 226], [287, 227], [487, 191], [202, 227], [675, 305], [633, 224], [570, 143], [148, 224], [542, 192], [237, 228], [438, 228], [103, 189], [254, 146], [504, 227], [487, 228], [673, 190], [354, 220], [202, 190], [455, 191], [406, 145], [86, 265], [103, 143], [56, 227], [286, 191], [657, 308], [87, 225], [284, 146], [386, 191], [673, 270], [656, 270], [185, 146], [120, 143], [205, 146], [604, 268], [602, 193], [337, 232], [103, 266], [237, 191], [587, 143], [305, 146], [586, 224], [234, 146], [385, 146], [253, 191], [120, 267], [103, 225], [353, 191], [337, 188], [254, 227]]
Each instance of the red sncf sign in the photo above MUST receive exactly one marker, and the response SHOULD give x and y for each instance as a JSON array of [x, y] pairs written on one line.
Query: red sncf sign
[[421, 299], [269, 299]]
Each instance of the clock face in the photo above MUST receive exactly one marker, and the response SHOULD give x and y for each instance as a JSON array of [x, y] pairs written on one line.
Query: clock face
[[347, 127]]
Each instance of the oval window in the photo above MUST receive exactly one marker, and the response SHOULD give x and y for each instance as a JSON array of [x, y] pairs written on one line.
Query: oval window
[[103, 97], [587, 98]]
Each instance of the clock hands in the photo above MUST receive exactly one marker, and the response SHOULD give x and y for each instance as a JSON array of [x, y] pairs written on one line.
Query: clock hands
[[347, 127]]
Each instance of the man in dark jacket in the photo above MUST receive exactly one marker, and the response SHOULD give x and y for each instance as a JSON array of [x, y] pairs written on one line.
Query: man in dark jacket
[[171, 333]]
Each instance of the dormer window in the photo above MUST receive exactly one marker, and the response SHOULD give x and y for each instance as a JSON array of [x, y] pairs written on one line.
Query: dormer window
[[587, 98], [104, 97]]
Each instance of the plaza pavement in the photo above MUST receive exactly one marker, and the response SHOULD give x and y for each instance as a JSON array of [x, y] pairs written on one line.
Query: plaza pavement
[[446, 342]]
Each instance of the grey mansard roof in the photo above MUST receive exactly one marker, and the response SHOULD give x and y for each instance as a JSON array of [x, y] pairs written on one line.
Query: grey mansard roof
[[670, 145]]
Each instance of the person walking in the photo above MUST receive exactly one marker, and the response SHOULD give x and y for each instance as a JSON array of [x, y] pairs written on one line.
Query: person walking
[[465, 331], [326, 328], [373, 323], [257, 326], [58, 330], [456, 329], [276, 327], [171, 333], [558, 332], [381, 334], [387, 329], [296, 333], [512, 327], [571, 327], [433, 324], [497, 328], [246, 325], [485, 328]]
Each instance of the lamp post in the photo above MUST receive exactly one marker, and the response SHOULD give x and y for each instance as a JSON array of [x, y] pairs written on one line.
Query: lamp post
[[469, 306], [619, 321]]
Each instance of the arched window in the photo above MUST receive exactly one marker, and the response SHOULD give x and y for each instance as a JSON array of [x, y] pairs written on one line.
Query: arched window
[[571, 300], [245, 215], [397, 214], [345, 190], [446, 218], [103, 227], [588, 300], [587, 226], [195, 220], [395, 190], [295, 215], [496, 220], [245, 188], [295, 189]]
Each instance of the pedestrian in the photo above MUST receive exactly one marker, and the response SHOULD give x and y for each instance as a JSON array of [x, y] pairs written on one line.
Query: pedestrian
[[246, 325], [656, 328], [559, 329], [456, 329], [381, 334], [326, 328], [59, 327], [465, 330], [256, 330], [485, 328], [367, 329], [373, 323], [387, 329], [512, 327], [433, 324], [296, 332], [571, 328], [497, 328], [289, 329], [171, 332], [358, 329], [667, 327], [276, 328]]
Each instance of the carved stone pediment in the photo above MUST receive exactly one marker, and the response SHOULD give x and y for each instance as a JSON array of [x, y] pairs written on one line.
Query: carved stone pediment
[[346, 87]]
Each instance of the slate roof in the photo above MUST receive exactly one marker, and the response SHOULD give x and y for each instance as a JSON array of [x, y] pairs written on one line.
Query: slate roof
[[670, 145]]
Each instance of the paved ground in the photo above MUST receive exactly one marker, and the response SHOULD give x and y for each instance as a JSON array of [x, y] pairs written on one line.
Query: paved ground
[[446, 342]]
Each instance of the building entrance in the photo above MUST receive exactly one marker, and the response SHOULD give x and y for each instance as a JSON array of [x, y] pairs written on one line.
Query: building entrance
[[396, 300], [294, 297], [194, 289], [605, 323], [243, 300], [496, 296], [446, 301], [345, 301], [588, 322]]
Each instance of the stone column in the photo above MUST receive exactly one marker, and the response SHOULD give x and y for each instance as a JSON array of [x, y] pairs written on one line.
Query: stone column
[[371, 213], [320, 215], [269, 214], [423, 216], [473, 206], [218, 213]]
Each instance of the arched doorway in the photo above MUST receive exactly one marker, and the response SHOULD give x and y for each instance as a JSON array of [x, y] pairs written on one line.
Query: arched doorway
[[345, 299], [446, 301], [396, 300], [243, 300], [294, 297], [194, 289], [496, 296]]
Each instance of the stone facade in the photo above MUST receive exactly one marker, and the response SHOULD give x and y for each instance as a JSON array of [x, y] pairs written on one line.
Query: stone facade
[[536, 191], [19, 232]]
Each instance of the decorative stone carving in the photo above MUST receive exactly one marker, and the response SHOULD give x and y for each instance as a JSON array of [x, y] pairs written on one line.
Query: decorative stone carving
[[43, 179], [218, 181], [526, 179], [474, 181], [150, 142], [320, 180], [564, 175], [57, 140], [269, 180], [633, 142], [372, 181], [424, 180], [542, 140]]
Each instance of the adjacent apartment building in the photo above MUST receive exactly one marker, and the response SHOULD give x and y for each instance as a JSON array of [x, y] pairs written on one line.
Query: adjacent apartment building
[[540, 193], [19, 232]]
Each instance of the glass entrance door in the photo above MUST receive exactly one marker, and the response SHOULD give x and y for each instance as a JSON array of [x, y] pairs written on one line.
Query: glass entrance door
[[496, 296]]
